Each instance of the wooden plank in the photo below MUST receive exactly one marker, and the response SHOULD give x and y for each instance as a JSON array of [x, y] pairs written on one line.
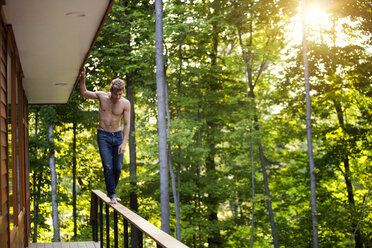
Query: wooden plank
[[3, 179], [2, 95], [146, 227], [3, 140], [56, 245], [3, 69], [3, 84], [81, 245], [5, 208], [3, 184], [21, 144], [91, 244], [2, 80], [19, 238], [48, 245], [3, 111], [3, 88], [3, 123], [13, 233], [3, 150], [85, 244], [21, 217], [3, 223], [3, 230], [4, 103], [3, 167], [4, 203]]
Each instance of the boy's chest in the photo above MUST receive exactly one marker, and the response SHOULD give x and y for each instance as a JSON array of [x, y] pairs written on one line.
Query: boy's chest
[[109, 108]]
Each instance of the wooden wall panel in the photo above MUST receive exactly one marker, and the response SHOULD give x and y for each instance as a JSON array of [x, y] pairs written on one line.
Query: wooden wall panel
[[18, 234], [3, 167], [19, 237], [3, 185], [3, 112], [2, 95], [11, 71], [3, 139], [3, 150], [3, 68], [4, 176], [3, 122]]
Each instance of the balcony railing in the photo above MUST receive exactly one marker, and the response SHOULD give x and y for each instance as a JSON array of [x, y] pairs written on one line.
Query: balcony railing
[[161, 238]]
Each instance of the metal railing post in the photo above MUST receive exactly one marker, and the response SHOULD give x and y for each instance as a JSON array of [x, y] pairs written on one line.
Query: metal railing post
[[138, 226], [126, 236], [93, 216], [116, 229], [107, 226], [101, 222]]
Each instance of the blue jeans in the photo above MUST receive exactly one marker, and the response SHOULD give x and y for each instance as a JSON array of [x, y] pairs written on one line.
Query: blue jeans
[[108, 144]]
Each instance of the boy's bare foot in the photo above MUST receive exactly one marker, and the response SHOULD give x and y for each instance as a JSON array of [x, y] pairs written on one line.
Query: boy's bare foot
[[118, 199], [113, 200]]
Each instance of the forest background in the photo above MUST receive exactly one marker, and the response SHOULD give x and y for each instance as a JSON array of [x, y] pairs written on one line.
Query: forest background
[[237, 124]]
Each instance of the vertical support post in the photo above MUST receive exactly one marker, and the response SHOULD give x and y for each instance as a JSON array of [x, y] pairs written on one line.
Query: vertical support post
[[116, 229], [101, 222], [126, 236], [93, 216], [140, 239], [107, 226]]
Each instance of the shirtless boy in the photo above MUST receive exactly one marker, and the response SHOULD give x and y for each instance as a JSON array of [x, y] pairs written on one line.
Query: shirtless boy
[[111, 139]]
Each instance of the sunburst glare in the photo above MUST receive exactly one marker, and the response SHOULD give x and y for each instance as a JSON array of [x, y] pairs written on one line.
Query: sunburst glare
[[315, 15]]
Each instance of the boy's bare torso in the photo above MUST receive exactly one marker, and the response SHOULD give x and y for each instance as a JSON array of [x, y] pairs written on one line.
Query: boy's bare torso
[[110, 112]]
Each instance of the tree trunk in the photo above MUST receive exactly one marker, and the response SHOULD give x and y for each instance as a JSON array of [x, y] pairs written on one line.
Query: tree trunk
[[74, 178], [250, 86], [266, 182], [347, 177], [250, 145], [309, 134], [53, 176], [173, 177], [253, 188], [133, 199], [36, 206], [198, 201], [214, 239], [178, 188], [36, 189], [267, 191], [160, 83]]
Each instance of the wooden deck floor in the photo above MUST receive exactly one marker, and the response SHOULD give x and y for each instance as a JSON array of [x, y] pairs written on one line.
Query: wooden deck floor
[[89, 244]]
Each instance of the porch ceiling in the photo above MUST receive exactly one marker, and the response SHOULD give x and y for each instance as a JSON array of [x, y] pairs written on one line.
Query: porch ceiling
[[54, 38]]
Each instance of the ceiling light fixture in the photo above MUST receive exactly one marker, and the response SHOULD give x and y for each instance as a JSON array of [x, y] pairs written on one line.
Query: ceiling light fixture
[[76, 14]]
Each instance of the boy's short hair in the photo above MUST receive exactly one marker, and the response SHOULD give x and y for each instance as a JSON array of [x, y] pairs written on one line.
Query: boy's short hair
[[117, 85]]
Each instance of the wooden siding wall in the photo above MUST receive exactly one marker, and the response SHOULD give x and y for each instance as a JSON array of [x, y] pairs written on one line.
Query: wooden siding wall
[[19, 233], [4, 175], [14, 216]]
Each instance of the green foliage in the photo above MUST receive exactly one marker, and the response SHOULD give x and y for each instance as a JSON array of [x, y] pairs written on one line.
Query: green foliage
[[210, 129]]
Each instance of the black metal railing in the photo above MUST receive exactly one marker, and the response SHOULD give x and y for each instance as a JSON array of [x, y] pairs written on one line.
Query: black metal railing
[[139, 226]]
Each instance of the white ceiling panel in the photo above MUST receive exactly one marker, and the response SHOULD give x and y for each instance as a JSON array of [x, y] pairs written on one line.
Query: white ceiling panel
[[53, 38]]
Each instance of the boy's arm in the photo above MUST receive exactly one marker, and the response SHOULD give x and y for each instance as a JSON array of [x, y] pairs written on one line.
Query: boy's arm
[[126, 118], [83, 89]]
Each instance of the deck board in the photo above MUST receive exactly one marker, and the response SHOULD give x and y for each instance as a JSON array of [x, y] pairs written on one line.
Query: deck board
[[88, 244]]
